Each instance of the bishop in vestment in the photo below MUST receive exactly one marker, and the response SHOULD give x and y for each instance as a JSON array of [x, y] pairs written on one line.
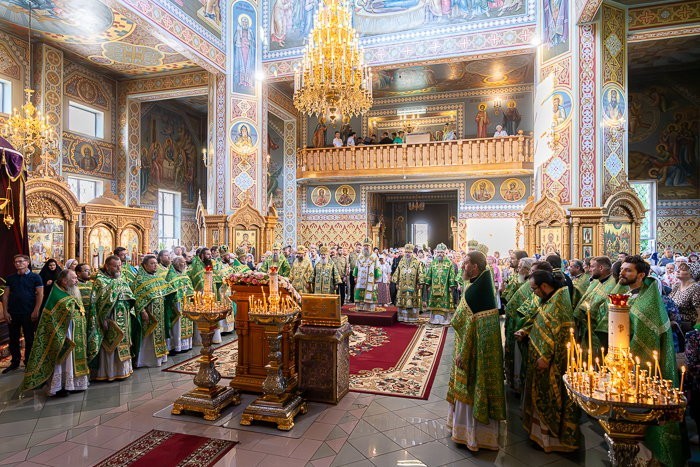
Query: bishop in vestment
[[326, 276], [366, 274], [302, 273], [441, 277], [181, 327]]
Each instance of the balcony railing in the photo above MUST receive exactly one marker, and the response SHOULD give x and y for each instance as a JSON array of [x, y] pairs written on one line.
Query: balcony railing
[[511, 154]]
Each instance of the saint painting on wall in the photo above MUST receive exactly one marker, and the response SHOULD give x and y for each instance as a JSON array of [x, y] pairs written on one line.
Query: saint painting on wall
[[321, 196], [512, 190], [617, 238], [587, 235], [244, 27], [613, 104], [345, 195], [482, 190], [87, 159], [101, 244], [244, 137], [556, 28]]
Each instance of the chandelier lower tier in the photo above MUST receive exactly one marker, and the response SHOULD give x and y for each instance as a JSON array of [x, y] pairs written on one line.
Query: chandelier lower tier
[[333, 80]]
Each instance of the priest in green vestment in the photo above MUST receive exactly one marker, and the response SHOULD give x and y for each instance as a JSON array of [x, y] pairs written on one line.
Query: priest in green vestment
[[276, 259], [59, 356], [302, 273], [408, 278], [512, 285], [181, 327], [128, 272], [595, 300], [579, 277], [441, 278], [200, 263], [238, 263], [651, 331], [326, 275], [223, 268], [514, 321], [109, 323], [549, 416], [476, 392], [151, 324], [83, 271], [164, 262]]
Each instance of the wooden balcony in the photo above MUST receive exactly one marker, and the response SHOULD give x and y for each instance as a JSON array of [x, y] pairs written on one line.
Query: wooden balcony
[[512, 155]]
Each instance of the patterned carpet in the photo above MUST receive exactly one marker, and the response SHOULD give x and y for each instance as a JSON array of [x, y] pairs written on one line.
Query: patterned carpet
[[164, 448], [399, 360]]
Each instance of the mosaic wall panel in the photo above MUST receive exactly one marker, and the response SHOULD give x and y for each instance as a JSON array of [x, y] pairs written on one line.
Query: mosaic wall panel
[[677, 225], [14, 59], [587, 116], [331, 232], [556, 25], [205, 17], [220, 142], [86, 156], [613, 95], [670, 14], [49, 75]]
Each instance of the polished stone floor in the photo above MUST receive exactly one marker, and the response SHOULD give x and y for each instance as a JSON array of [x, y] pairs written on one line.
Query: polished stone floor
[[362, 430]]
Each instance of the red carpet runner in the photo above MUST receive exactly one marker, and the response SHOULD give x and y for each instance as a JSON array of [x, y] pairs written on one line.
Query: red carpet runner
[[172, 449], [399, 360]]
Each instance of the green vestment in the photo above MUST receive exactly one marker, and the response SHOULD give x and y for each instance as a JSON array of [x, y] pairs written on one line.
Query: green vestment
[[479, 381], [150, 292], [111, 299], [282, 265], [326, 277], [85, 292], [182, 285], [128, 272], [51, 344], [302, 275], [596, 300], [441, 277], [545, 398], [514, 322], [582, 282], [408, 278], [512, 286], [196, 272], [651, 330]]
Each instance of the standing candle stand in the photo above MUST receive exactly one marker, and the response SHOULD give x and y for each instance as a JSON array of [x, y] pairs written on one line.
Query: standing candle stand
[[624, 399], [279, 402], [208, 398]]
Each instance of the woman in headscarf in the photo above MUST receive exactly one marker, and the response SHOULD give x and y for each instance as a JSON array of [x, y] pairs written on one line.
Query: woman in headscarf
[[48, 274], [71, 264]]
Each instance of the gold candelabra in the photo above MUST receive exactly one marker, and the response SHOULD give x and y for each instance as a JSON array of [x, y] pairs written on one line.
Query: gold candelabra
[[208, 398], [333, 80], [616, 390], [280, 402]]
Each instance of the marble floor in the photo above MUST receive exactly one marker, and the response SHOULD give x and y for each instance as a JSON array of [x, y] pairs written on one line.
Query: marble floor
[[363, 430]]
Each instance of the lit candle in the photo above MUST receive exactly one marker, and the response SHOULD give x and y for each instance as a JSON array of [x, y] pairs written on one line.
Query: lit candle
[[682, 377], [590, 338], [657, 370], [636, 392], [568, 357], [602, 355]]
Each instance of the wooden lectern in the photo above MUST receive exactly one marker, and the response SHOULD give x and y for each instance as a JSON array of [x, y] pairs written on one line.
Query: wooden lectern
[[253, 351]]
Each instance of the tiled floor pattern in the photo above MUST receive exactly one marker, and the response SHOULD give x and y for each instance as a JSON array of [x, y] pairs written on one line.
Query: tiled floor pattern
[[363, 430]]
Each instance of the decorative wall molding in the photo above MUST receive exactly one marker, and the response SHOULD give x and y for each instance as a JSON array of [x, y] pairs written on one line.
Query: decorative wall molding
[[587, 115], [663, 16]]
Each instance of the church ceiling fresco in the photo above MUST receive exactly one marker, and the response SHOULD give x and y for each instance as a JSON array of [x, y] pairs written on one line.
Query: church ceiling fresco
[[677, 51], [105, 35], [287, 23], [445, 77]]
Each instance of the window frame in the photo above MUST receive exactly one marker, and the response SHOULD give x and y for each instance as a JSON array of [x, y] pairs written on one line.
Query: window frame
[[99, 132], [99, 187], [5, 97], [163, 241]]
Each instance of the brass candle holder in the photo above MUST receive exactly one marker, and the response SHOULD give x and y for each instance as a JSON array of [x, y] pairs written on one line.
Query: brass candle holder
[[279, 403], [624, 398], [208, 398]]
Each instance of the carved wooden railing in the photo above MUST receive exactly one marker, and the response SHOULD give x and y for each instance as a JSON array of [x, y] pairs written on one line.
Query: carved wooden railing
[[490, 155]]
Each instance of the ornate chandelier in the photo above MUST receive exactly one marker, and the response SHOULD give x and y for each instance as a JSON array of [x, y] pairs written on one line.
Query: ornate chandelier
[[333, 80], [27, 130]]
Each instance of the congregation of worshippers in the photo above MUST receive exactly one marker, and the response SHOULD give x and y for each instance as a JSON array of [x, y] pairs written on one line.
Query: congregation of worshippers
[[533, 301]]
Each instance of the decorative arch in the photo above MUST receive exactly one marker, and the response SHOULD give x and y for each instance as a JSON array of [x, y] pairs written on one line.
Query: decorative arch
[[623, 214], [52, 220], [546, 227]]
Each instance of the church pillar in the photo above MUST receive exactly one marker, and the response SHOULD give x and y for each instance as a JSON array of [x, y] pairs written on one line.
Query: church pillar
[[612, 91], [245, 165], [215, 163], [48, 83]]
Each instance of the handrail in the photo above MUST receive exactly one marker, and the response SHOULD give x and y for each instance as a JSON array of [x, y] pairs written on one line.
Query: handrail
[[517, 149]]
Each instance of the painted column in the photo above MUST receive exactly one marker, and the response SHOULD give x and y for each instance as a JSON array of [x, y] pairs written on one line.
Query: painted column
[[48, 83], [589, 191], [216, 145], [245, 165], [612, 91]]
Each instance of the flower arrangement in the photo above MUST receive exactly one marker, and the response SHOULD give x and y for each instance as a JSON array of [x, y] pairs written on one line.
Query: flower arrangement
[[257, 278]]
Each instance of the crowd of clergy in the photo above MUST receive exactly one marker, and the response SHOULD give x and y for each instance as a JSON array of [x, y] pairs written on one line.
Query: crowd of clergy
[[82, 324]]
